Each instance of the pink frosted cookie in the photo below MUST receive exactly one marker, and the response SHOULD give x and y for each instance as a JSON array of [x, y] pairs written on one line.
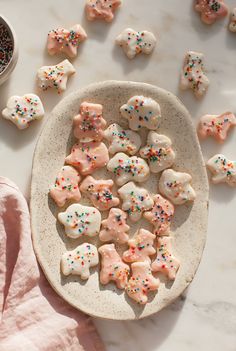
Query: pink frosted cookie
[[232, 23], [165, 262], [223, 170], [100, 193], [216, 125], [80, 220], [114, 228], [101, 9], [141, 111], [193, 76], [55, 76], [112, 267], [127, 168], [141, 282], [136, 200], [176, 186], [211, 10], [140, 247], [88, 157], [89, 124], [78, 261], [158, 152], [66, 186], [65, 40], [160, 215], [134, 43]]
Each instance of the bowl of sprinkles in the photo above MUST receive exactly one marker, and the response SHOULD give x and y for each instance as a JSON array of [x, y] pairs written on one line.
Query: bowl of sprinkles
[[8, 49]]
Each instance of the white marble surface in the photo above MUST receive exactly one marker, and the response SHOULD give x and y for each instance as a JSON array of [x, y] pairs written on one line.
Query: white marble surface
[[205, 318]]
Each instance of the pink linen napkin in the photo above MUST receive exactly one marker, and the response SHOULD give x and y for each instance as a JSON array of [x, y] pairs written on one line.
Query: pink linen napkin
[[33, 316]]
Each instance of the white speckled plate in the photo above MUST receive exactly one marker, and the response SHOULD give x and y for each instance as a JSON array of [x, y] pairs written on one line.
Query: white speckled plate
[[190, 223]]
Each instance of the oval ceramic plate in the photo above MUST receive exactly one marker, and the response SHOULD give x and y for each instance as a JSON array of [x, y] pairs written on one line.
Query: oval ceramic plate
[[190, 221]]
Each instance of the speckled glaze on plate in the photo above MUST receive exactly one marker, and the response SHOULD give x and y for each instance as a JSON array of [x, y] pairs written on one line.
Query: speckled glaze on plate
[[189, 226]]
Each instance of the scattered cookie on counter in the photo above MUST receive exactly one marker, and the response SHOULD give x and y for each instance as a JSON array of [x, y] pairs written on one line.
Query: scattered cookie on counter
[[140, 112], [55, 76], [101, 9], [121, 140], [223, 170], [99, 193], [65, 40], [160, 215], [232, 23], [136, 200], [78, 261], [80, 220], [211, 10], [127, 168], [66, 186], [89, 124], [140, 247], [158, 152], [115, 228], [141, 282], [134, 43], [21, 110], [112, 267], [216, 125], [176, 187], [165, 262], [193, 76], [87, 157]]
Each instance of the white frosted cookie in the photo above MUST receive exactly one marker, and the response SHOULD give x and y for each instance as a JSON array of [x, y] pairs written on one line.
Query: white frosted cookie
[[80, 220], [78, 261], [141, 111], [192, 75], [158, 152], [121, 140], [136, 200], [55, 76], [176, 187], [223, 170], [134, 43], [127, 168], [21, 110], [232, 23]]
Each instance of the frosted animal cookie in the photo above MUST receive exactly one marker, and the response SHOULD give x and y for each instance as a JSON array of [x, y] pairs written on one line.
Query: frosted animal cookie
[[134, 43], [176, 187], [89, 124], [232, 23], [193, 76], [100, 193], [121, 140], [141, 111], [136, 200], [55, 76], [115, 228], [65, 40], [216, 125], [160, 215], [80, 220], [140, 247], [223, 170], [78, 261], [158, 152], [66, 186], [87, 157], [211, 10], [112, 267], [127, 168], [165, 262], [101, 9], [21, 110], [141, 282]]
